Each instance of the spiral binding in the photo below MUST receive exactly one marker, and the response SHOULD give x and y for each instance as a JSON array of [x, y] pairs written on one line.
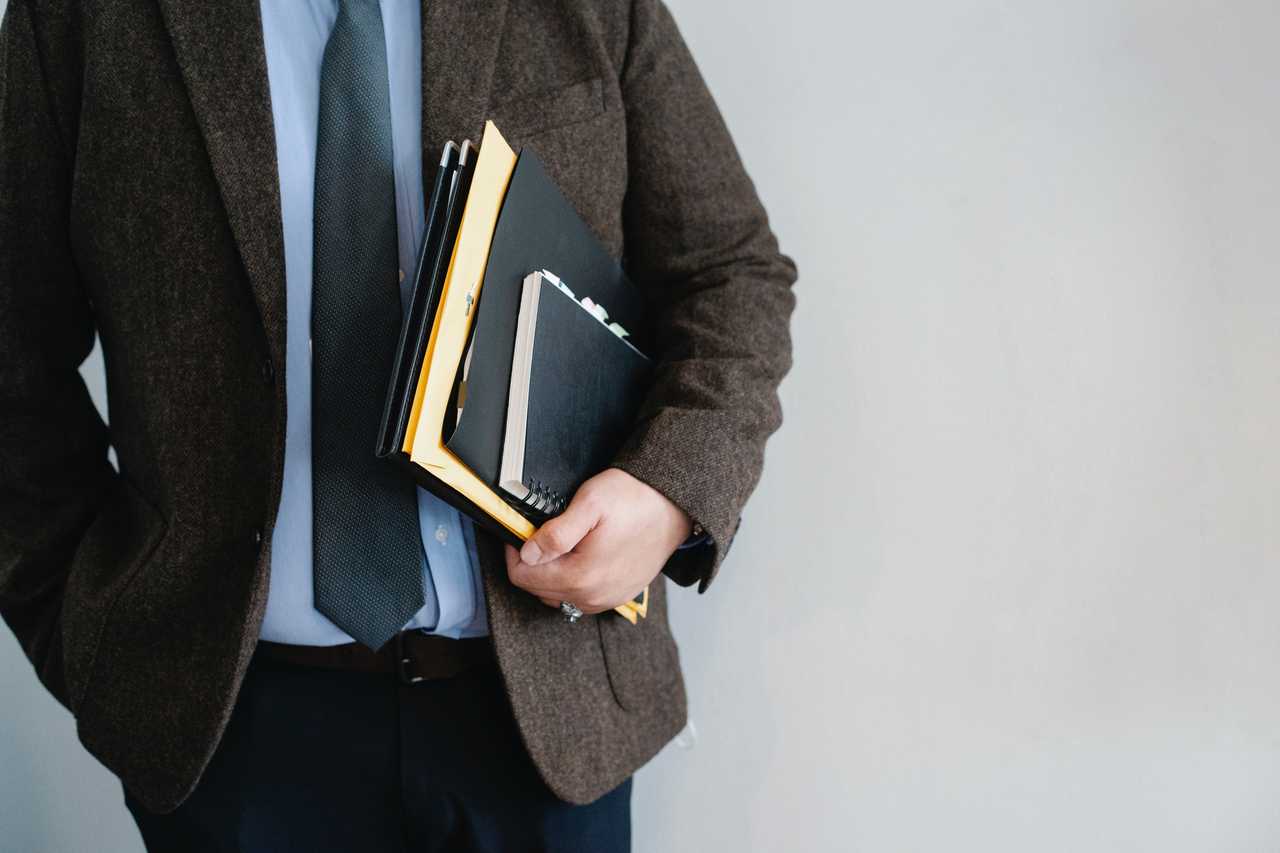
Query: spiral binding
[[542, 498]]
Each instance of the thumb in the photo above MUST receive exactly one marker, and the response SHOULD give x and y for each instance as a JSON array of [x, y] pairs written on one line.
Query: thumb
[[559, 535]]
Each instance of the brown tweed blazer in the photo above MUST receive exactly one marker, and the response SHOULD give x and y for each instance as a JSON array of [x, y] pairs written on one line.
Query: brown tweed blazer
[[140, 200]]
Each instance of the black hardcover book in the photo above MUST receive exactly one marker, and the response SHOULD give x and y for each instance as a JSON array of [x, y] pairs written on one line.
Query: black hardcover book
[[574, 391], [537, 229]]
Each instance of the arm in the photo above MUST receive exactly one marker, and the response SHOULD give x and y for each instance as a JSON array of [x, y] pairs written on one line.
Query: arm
[[53, 444], [698, 238]]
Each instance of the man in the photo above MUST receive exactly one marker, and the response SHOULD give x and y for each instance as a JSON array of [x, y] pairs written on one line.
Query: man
[[208, 186]]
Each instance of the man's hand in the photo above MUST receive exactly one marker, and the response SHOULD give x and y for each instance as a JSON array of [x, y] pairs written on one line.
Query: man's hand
[[611, 541]]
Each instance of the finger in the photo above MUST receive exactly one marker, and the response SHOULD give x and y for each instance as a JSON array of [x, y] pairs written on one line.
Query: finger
[[568, 578], [607, 602], [531, 580], [523, 575], [559, 535], [550, 602], [545, 594]]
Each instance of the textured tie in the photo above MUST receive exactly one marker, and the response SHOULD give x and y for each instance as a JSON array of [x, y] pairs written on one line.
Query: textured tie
[[368, 546]]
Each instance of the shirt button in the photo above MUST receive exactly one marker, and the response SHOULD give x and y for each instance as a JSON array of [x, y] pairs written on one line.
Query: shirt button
[[442, 535], [257, 537], [402, 275]]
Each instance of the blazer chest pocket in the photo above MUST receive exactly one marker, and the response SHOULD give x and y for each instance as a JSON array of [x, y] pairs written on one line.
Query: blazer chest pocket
[[522, 116]]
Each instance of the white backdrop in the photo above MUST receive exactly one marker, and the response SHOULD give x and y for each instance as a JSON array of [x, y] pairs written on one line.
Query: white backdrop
[[1010, 580]]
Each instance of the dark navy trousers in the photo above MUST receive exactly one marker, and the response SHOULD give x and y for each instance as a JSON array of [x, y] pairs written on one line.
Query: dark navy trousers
[[325, 760]]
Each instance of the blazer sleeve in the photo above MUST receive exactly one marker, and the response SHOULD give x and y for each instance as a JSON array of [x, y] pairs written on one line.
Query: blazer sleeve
[[697, 238], [53, 444]]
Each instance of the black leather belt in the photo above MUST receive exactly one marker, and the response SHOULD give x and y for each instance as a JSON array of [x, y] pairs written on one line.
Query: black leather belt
[[411, 656]]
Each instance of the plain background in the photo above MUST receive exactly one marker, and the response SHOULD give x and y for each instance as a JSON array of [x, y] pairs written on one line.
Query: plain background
[[1010, 580]]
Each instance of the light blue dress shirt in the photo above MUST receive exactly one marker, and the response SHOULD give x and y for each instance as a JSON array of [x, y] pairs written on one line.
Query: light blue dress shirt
[[295, 33]]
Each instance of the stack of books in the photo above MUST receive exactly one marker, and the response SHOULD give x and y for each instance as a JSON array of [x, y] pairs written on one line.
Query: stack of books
[[521, 362]]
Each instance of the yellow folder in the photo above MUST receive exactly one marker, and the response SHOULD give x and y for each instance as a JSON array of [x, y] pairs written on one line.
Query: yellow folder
[[458, 298]]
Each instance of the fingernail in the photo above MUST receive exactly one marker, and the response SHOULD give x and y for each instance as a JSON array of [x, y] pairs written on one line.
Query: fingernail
[[530, 554]]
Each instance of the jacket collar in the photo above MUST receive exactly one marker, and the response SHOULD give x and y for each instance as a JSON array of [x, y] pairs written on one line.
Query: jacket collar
[[219, 49]]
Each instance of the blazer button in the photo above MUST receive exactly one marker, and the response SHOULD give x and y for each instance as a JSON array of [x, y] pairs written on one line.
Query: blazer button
[[268, 372], [257, 537]]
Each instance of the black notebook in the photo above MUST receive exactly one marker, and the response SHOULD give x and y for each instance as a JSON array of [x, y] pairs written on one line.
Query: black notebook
[[537, 229], [576, 384]]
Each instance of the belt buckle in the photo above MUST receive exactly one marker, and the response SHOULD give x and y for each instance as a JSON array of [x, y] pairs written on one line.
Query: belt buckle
[[403, 660]]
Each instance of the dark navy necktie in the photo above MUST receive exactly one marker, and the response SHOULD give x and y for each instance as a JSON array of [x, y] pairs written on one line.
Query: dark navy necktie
[[367, 542]]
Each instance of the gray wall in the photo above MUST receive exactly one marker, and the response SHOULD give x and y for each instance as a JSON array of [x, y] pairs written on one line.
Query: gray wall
[[1009, 582]]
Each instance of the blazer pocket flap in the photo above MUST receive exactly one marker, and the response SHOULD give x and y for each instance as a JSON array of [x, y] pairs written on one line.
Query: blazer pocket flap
[[524, 115], [641, 659]]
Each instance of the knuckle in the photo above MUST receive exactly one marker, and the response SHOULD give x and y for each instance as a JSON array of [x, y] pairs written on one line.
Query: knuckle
[[586, 580], [518, 574], [592, 596], [596, 510], [556, 539], [588, 589]]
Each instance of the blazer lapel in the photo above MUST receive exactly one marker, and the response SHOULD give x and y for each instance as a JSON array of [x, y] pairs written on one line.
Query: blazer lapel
[[220, 51], [460, 41]]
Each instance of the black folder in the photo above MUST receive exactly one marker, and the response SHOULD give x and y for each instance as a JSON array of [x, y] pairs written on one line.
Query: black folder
[[444, 213], [538, 228]]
